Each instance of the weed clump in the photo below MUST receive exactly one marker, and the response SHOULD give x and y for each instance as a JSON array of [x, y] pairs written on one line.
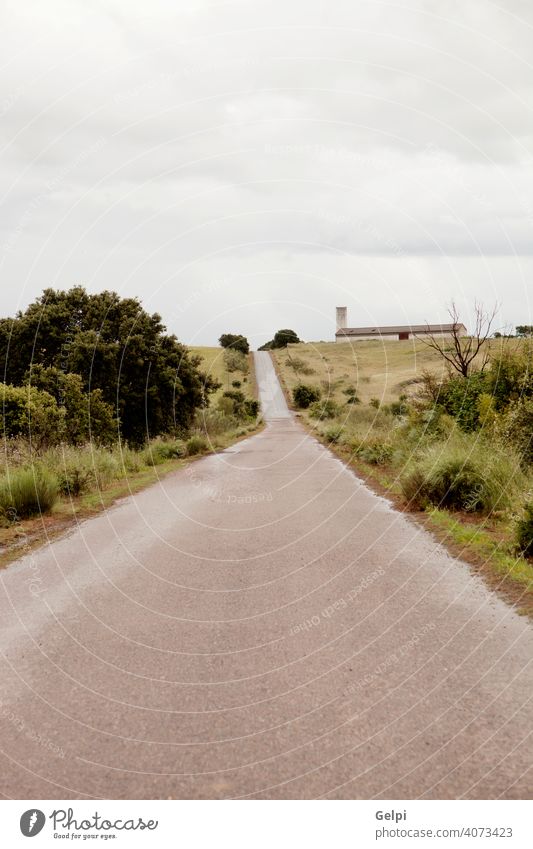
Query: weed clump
[[28, 491], [464, 475], [524, 531]]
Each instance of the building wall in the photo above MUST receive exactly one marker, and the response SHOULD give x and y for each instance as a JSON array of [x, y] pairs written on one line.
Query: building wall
[[394, 337]]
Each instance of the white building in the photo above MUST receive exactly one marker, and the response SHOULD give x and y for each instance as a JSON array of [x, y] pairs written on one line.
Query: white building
[[396, 332]]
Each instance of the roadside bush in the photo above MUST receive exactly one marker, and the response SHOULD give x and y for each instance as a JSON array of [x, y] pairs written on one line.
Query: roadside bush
[[74, 480], [374, 451], [132, 461], [216, 422], [459, 396], [334, 434], [27, 492], [31, 414], [86, 416], [304, 395], [413, 489], [323, 409], [464, 475], [524, 531], [197, 444], [161, 450], [516, 428], [510, 377], [237, 404]]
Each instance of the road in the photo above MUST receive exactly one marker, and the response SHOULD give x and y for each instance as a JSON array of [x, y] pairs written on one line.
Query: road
[[260, 624]]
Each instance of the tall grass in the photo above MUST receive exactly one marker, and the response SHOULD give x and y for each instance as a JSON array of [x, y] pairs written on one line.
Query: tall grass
[[33, 481], [465, 474], [27, 491]]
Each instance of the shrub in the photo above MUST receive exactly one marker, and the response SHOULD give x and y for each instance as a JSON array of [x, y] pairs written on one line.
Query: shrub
[[30, 413], [235, 403], [252, 408], [87, 417], [160, 450], [106, 466], [351, 395], [464, 475], [459, 396], [413, 489], [304, 395], [132, 461], [375, 451], [299, 366], [375, 402], [218, 421], [399, 408], [517, 428], [197, 444], [28, 491], [74, 480], [334, 434], [235, 361], [524, 531], [511, 375], [236, 384], [323, 409]]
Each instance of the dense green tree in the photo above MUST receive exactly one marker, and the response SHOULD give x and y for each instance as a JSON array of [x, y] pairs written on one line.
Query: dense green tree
[[153, 383], [88, 418], [30, 414], [524, 330], [235, 341], [281, 339]]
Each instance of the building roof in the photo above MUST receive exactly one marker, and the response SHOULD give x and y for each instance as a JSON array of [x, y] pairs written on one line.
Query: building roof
[[398, 328]]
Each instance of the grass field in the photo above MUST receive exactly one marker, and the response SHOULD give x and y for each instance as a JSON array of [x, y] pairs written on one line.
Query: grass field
[[382, 370], [213, 364]]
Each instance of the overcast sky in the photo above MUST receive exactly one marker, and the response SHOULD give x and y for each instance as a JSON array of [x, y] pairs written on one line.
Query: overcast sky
[[242, 166]]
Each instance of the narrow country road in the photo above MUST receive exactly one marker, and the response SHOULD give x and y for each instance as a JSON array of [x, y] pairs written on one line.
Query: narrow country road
[[261, 625]]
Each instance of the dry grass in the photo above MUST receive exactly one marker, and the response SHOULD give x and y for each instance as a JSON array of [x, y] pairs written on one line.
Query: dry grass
[[213, 364], [382, 370]]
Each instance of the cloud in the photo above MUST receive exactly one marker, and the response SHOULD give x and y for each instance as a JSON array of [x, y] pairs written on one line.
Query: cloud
[[294, 149]]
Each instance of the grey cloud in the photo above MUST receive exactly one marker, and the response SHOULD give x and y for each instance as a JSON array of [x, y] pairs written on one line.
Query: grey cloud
[[154, 149]]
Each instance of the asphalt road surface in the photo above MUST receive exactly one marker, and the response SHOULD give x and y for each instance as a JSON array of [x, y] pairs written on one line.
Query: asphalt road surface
[[260, 625]]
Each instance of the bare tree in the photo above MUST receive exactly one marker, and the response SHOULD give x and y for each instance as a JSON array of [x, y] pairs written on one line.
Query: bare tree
[[464, 349]]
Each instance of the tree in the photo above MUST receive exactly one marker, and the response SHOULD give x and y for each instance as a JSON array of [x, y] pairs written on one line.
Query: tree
[[237, 342], [464, 349], [87, 417], [281, 339], [30, 414], [524, 330], [152, 382]]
